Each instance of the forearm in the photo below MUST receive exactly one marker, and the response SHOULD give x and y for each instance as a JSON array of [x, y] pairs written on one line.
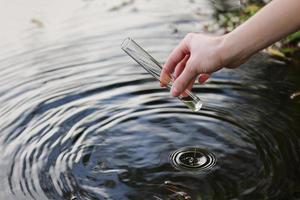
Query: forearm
[[276, 20], [199, 54]]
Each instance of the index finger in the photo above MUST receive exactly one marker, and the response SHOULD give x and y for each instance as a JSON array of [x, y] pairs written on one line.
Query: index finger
[[173, 59]]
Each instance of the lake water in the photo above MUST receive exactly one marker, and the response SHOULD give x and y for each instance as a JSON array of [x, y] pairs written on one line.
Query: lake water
[[81, 120]]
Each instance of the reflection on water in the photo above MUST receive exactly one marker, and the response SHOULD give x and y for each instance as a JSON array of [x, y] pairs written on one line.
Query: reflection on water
[[79, 121]]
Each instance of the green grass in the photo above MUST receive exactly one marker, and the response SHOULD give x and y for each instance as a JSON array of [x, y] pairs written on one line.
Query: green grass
[[286, 49]]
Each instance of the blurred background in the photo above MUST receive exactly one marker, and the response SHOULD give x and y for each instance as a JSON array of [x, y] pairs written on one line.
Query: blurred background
[[80, 120]]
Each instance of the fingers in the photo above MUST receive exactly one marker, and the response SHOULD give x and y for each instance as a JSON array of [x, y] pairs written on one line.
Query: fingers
[[187, 75], [179, 68], [189, 88], [203, 77], [191, 84], [176, 56], [165, 78]]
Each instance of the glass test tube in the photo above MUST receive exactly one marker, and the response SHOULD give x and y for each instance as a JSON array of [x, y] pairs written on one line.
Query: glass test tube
[[154, 68]]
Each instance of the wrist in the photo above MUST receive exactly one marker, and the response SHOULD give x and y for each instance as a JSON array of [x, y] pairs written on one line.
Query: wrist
[[233, 51]]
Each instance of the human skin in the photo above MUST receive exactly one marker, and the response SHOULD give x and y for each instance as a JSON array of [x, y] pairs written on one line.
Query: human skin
[[199, 55]]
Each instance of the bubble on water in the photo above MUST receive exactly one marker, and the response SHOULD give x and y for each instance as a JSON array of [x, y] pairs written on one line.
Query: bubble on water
[[193, 159]]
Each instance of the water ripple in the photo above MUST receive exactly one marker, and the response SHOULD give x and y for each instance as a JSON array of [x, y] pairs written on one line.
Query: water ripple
[[79, 120]]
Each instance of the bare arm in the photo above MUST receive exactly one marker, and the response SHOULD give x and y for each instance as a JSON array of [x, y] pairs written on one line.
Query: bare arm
[[276, 20], [199, 54]]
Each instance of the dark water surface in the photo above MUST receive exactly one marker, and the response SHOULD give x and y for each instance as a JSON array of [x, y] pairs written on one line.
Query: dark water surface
[[80, 120]]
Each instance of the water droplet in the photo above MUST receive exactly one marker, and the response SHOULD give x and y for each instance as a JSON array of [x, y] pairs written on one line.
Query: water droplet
[[192, 159]]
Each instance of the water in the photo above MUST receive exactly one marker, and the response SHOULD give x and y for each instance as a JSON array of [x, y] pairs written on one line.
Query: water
[[191, 103], [193, 159], [154, 68], [79, 121]]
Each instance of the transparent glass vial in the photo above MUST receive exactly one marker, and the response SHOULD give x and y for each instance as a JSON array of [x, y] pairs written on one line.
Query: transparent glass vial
[[146, 61]]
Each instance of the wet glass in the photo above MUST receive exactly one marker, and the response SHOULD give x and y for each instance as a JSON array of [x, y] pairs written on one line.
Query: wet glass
[[74, 125], [153, 67]]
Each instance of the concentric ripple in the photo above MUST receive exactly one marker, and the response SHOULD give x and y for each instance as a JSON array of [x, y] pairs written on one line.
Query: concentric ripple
[[193, 158], [79, 120]]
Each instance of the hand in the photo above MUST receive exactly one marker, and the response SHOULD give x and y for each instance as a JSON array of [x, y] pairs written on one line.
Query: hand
[[196, 57], [199, 54]]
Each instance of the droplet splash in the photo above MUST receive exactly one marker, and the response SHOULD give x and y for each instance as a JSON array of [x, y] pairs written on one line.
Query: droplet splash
[[193, 159]]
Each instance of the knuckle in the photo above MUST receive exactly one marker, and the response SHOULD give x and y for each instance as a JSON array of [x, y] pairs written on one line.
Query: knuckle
[[179, 85], [191, 70], [189, 37], [202, 67], [164, 69]]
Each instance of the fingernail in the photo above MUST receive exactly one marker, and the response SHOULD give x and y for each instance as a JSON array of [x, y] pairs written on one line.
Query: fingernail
[[174, 91]]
